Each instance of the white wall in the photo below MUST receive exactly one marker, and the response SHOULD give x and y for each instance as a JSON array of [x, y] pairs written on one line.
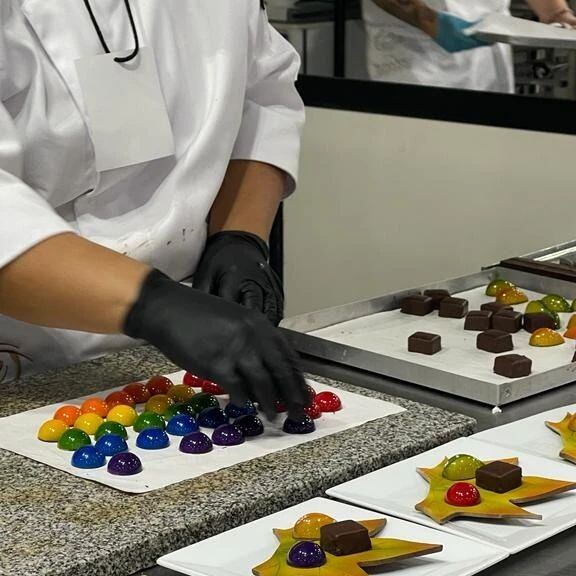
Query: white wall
[[386, 203]]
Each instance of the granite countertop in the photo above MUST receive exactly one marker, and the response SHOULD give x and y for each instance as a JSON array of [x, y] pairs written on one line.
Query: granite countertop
[[53, 523]]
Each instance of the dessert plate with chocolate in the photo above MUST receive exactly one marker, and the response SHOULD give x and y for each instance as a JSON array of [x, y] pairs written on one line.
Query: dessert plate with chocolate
[[488, 493], [324, 537], [550, 434]]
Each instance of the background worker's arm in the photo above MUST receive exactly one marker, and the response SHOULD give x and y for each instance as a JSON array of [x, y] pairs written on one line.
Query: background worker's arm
[[553, 11], [444, 28]]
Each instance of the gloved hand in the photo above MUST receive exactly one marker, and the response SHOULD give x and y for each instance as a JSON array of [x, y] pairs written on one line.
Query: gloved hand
[[235, 267], [220, 341], [450, 33]]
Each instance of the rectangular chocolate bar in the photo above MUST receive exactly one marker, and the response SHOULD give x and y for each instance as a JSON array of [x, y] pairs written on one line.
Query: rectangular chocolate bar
[[344, 538], [513, 366], [417, 305], [499, 477], [495, 341], [437, 296], [495, 307], [478, 320], [424, 343], [507, 321], [453, 308], [537, 320]]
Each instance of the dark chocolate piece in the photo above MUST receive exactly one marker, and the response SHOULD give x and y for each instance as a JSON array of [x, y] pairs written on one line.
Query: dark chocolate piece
[[453, 308], [417, 305], [424, 343], [499, 477], [437, 296], [495, 307], [495, 341], [344, 538], [537, 320], [478, 320], [513, 366], [507, 321]]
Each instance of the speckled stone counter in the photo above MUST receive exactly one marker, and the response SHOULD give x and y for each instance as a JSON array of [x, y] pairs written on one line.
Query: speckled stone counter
[[52, 523]]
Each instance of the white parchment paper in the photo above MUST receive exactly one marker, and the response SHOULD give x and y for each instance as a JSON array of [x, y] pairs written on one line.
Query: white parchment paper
[[387, 334], [18, 433]]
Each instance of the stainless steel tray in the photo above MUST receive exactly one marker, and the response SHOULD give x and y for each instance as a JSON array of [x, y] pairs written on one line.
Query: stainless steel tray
[[495, 394]]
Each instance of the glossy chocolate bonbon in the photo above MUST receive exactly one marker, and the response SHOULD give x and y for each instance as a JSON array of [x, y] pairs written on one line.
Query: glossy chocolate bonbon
[[424, 343], [495, 341], [227, 435], [125, 464], [306, 555], [196, 443], [513, 366], [250, 425]]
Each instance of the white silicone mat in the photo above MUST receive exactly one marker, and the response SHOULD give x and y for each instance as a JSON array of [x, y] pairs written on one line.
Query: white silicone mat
[[387, 334], [18, 433], [250, 545], [396, 489], [531, 434]]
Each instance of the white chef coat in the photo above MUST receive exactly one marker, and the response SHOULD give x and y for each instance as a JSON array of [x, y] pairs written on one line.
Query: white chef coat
[[398, 52], [228, 82]]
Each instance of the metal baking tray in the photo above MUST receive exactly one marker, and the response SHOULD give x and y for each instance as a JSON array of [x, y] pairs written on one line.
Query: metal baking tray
[[298, 331], [556, 262]]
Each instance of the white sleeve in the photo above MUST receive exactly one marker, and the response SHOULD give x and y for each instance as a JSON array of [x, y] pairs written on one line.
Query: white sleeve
[[25, 217], [273, 110]]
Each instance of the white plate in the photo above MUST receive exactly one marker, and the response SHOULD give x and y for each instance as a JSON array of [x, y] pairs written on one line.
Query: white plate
[[530, 434], [398, 488], [236, 552], [161, 468]]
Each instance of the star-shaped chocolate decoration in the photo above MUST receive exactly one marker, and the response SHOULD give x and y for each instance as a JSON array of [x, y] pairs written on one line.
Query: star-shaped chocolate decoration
[[568, 451], [384, 551], [491, 505]]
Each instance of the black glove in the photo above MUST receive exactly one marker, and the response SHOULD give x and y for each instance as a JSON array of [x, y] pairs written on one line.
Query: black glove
[[220, 341], [235, 267]]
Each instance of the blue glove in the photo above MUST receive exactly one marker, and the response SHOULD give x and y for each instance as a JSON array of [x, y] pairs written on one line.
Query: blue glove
[[450, 34]]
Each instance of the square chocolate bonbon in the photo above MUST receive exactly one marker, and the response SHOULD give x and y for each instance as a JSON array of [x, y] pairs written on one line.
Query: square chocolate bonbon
[[537, 320], [437, 296], [417, 305], [495, 341], [453, 308], [507, 321], [424, 343], [495, 307], [344, 538], [499, 477], [478, 320], [513, 366]]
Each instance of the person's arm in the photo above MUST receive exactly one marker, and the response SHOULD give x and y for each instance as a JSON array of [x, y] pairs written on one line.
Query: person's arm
[[248, 198], [445, 28], [413, 12], [553, 11], [66, 281], [262, 172]]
